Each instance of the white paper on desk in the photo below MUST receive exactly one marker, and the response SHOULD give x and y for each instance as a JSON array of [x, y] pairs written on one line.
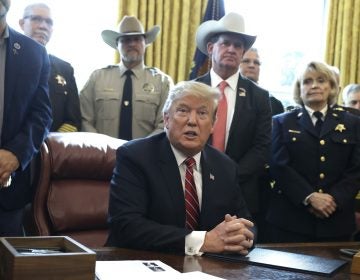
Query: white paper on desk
[[114, 270], [198, 275]]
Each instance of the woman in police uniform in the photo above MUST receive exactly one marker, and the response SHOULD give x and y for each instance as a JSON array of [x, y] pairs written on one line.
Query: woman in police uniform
[[315, 164]]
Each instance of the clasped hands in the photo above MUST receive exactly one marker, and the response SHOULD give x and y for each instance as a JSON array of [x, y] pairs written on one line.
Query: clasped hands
[[233, 235], [8, 164], [322, 205]]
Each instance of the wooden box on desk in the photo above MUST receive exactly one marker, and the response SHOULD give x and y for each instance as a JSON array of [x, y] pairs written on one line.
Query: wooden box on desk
[[40, 258], [355, 265]]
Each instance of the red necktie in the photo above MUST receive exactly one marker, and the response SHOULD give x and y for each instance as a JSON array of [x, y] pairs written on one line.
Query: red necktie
[[219, 133], [191, 198]]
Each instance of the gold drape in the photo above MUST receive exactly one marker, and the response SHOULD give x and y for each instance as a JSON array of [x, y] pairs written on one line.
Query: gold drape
[[343, 39], [174, 48]]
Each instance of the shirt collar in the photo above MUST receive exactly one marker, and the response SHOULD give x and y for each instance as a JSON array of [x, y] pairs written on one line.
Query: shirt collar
[[136, 70], [5, 35], [180, 157], [232, 80], [311, 111]]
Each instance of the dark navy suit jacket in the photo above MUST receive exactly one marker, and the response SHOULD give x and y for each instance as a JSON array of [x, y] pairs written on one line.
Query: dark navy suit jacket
[[147, 206], [249, 136], [304, 162], [27, 110]]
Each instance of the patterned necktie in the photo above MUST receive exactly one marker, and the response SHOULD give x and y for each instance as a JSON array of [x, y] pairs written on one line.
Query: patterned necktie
[[319, 121], [219, 133], [191, 198], [125, 124]]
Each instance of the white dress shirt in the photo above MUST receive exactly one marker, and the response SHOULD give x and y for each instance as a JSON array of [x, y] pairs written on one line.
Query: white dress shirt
[[230, 93], [194, 240]]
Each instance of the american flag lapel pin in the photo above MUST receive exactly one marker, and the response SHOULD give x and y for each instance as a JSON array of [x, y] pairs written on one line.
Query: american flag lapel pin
[[242, 92], [212, 177]]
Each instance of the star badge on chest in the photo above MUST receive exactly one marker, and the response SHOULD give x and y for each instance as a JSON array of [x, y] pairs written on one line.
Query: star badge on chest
[[60, 80], [340, 127]]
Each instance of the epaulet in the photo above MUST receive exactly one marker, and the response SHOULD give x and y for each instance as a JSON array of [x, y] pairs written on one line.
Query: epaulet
[[292, 108], [338, 108], [111, 66]]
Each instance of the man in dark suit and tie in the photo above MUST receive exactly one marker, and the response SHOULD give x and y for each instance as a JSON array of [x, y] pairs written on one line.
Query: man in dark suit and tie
[[37, 24], [174, 192], [247, 127], [25, 118]]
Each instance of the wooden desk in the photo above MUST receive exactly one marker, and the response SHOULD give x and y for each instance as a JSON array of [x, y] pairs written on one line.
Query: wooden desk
[[231, 271]]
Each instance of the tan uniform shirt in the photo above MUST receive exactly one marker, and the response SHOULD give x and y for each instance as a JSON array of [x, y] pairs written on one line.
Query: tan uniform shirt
[[100, 100]]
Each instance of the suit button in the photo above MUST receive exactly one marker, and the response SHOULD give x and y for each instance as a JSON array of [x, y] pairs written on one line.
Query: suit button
[[322, 175], [345, 141], [320, 191], [293, 139], [322, 158], [322, 142]]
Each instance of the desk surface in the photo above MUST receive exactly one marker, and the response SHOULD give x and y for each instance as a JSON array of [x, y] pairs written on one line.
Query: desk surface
[[230, 270]]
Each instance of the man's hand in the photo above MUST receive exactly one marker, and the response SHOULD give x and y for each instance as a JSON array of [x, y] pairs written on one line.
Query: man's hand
[[322, 205], [8, 164], [232, 235]]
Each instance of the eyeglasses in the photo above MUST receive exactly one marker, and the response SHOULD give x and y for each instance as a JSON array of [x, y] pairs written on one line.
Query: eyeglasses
[[248, 61], [40, 19]]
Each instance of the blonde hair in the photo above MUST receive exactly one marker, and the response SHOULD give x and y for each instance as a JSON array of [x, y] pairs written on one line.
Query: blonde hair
[[192, 88], [323, 69]]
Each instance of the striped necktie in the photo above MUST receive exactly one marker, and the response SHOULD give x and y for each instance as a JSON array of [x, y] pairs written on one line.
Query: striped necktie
[[191, 198]]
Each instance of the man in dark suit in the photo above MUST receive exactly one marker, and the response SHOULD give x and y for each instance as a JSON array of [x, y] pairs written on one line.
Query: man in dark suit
[[151, 206], [25, 118], [248, 125], [37, 24], [315, 164]]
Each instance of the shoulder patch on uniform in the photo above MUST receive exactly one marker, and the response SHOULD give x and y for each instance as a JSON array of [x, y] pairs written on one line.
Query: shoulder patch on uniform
[[153, 70]]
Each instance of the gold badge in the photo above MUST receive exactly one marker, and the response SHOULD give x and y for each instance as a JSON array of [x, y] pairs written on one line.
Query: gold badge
[[340, 127], [149, 88], [60, 80]]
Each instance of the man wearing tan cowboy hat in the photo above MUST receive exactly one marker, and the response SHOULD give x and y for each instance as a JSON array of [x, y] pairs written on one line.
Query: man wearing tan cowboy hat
[[244, 134], [126, 100]]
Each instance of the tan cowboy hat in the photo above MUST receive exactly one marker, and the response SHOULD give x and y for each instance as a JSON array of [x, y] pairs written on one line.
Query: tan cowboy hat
[[230, 23], [129, 26]]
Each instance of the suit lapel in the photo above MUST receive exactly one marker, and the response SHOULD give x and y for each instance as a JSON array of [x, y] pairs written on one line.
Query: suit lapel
[[170, 172], [208, 181], [239, 117], [304, 120], [11, 65]]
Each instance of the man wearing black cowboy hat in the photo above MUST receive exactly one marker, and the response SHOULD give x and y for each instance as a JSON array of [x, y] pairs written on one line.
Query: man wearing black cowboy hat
[[246, 130], [126, 100]]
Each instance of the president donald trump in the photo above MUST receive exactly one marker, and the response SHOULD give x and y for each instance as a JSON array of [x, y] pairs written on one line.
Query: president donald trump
[[174, 192]]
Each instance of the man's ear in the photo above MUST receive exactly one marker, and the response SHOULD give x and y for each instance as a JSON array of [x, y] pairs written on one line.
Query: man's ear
[[21, 23], [210, 47], [166, 120]]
